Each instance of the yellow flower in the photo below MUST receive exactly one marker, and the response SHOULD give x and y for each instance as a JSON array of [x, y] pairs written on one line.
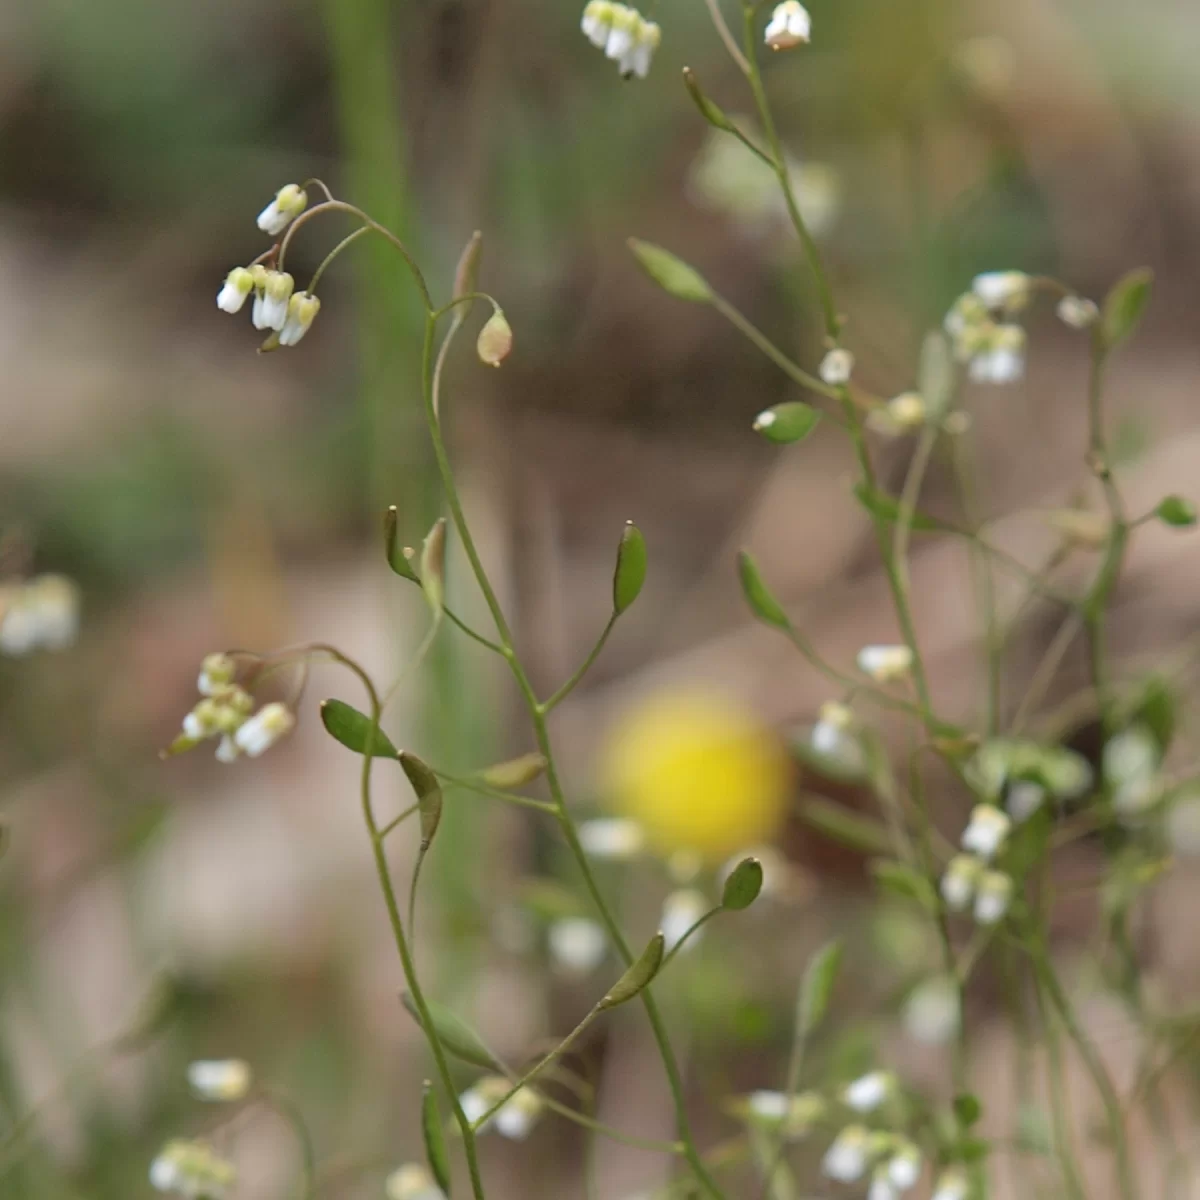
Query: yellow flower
[[698, 773]]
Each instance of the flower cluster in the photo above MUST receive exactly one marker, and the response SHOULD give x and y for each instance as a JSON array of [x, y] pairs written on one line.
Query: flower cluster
[[38, 614], [1024, 774], [193, 1169], [623, 34], [514, 1119], [981, 327], [969, 878], [226, 710], [894, 1162]]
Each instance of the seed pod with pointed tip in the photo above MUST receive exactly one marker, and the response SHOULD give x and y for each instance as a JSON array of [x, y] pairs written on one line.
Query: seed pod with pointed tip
[[638, 976], [631, 568], [433, 566]]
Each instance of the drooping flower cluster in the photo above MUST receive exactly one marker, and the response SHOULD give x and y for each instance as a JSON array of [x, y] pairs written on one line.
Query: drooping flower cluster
[[192, 1169], [1023, 774], [226, 710], [39, 614], [623, 34], [981, 327]]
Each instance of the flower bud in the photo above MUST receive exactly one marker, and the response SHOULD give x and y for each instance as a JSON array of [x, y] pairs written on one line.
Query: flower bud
[[869, 1091], [1078, 312], [986, 831], [239, 283], [959, 880], [264, 729], [301, 311], [789, 26], [993, 897], [495, 340], [223, 1080], [885, 664], [836, 367], [290, 201]]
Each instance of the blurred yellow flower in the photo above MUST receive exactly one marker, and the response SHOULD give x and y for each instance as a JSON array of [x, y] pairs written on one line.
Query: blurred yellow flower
[[698, 772]]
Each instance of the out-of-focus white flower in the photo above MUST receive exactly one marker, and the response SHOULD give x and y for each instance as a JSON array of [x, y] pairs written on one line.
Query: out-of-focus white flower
[[959, 880], [885, 664], [837, 367], [1080, 528], [882, 1187], [848, 1157], [624, 35], [519, 1115], [789, 26], [793, 1115], [1130, 756], [986, 831], [681, 910], [220, 1079], [1024, 799], [217, 672], [290, 201], [1002, 360], [931, 1012], [612, 837], [227, 750], [952, 1184], [901, 414], [577, 944], [514, 1120], [39, 614], [1078, 312], [637, 61], [993, 895], [271, 300], [191, 1169], [261, 731], [301, 312], [597, 22], [1003, 291], [834, 738], [412, 1182], [904, 1166], [239, 283], [869, 1091]]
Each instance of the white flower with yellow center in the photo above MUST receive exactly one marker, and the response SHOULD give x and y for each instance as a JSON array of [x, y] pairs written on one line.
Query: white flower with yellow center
[[271, 300], [885, 664], [986, 831], [1003, 291], [837, 367], [959, 880], [789, 26], [301, 312], [597, 22], [261, 731], [848, 1157], [216, 674], [239, 283], [869, 1091], [992, 897], [191, 1169], [1001, 357], [290, 201], [223, 1080]]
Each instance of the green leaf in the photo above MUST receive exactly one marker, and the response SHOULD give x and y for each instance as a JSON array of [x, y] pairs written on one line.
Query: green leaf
[[764, 606], [671, 274], [514, 773], [902, 880], [638, 976], [847, 828], [936, 374], [435, 1138], [787, 423], [1176, 512], [630, 573], [887, 508], [454, 1033], [428, 789], [816, 988], [743, 885], [350, 727], [1125, 305], [398, 556], [967, 1109], [433, 566]]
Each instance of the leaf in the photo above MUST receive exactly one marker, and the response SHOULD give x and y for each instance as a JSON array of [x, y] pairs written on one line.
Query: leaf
[[671, 274], [630, 572], [967, 1109], [429, 795], [350, 727], [743, 886], [785, 424], [435, 1137], [762, 603], [638, 976], [495, 340], [433, 566], [816, 988], [397, 555], [887, 508], [847, 828], [903, 881], [1177, 512], [514, 773], [453, 1033], [1124, 306]]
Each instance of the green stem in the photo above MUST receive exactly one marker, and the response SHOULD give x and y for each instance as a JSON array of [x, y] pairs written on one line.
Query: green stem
[[568, 687], [294, 1118], [348, 240], [485, 789]]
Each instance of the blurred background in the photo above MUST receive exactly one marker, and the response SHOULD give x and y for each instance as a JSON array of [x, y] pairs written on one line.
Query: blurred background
[[203, 496]]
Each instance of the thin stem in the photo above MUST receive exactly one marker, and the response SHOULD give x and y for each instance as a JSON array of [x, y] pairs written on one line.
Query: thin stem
[[473, 634], [485, 789], [718, 19], [910, 495], [290, 1113], [396, 822], [348, 240], [683, 941], [568, 687]]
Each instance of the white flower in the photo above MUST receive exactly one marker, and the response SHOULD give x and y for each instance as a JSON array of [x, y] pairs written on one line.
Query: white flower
[[612, 837], [793, 1115], [289, 203], [681, 910], [847, 1159], [952, 1184], [271, 300], [216, 673], [966, 316], [1003, 291], [1131, 756], [1002, 359], [790, 26], [1078, 312], [302, 310], [986, 831], [1024, 799], [192, 1169], [165, 1175], [836, 367], [646, 41], [577, 944], [227, 749], [901, 414], [885, 664], [519, 1115], [412, 1182], [219, 1079], [42, 613], [597, 21], [959, 880], [475, 1102], [882, 1187], [264, 729], [833, 738], [992, 897], [869, 1091], [904, 1167], [622, 32], [931, 1013], [239, 283], [513, 1120]]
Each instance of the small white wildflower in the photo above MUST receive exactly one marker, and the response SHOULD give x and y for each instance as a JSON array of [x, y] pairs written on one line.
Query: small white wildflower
[[1002, 359], [271, 301], [261, 731], [227, 750], [40, 614], [597, 22], [412, 1182], [952, 1184], [931, 1013], [959, 880], [1003, 291], [622, 32], [192, 1169], [681, 910], [1024, 799], [833, 738], [793, 1116], [239, 283], [1131, 756], [837, 367], [901, 414], [992, 897], [577, 944], [904, 1166], [847, 1158], [220, 1079], [966, 317], [1078, 312], [646, 41], [885, 664], [217, 672], [986, 831], [882, 1187], [301, 312], [869, 1091], [789, 26], [475, 1101], [519, 1115], [612, 837], [290, 201]]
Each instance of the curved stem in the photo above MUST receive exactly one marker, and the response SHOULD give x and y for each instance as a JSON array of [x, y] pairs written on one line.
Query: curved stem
[[292, 1116], [718, 20], [485, 789], [568, 687], [348, 240]]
